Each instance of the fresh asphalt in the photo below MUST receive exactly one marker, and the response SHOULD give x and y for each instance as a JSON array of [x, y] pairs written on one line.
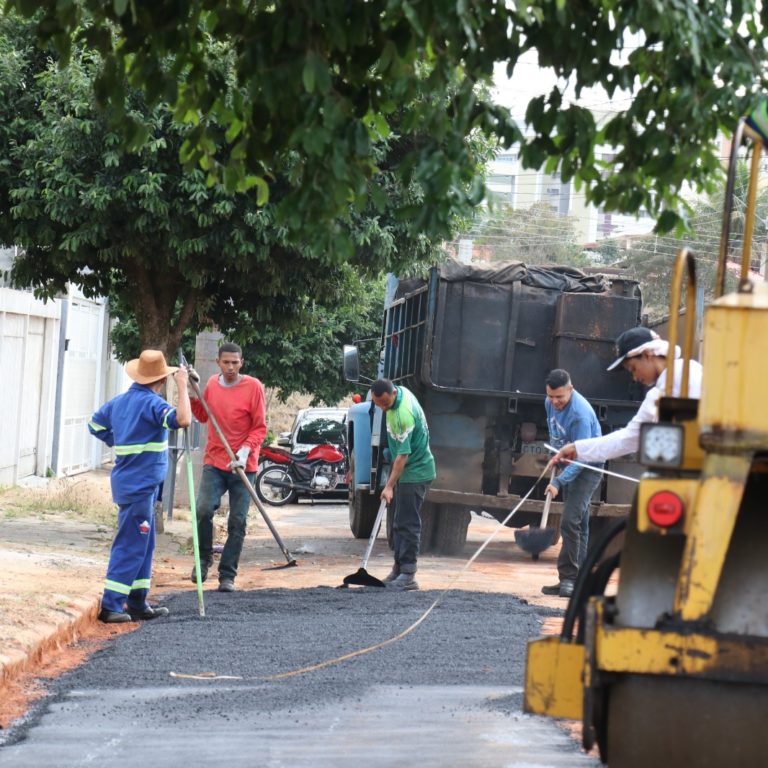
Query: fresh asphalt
[[448, 694]]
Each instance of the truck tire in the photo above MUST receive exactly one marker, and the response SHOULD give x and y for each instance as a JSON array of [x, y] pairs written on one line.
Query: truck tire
[[429, 513], [450, 529], [363, 506]]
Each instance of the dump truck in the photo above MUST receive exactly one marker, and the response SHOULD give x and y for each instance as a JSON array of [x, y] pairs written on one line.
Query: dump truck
[[475, 344], [670, 667]]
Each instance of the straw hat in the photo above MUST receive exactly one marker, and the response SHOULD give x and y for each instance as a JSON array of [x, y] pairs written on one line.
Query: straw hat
[[149, 367]]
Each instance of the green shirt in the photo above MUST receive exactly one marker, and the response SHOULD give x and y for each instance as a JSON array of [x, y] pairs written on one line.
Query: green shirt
[[408, 434]]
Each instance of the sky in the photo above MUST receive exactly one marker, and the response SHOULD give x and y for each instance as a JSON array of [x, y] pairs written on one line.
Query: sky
[[530, 80]]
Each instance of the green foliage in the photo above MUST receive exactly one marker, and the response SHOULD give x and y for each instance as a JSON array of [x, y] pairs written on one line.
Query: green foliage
[[319, 81], [307, 359], [537, 235], [175, 250], [651, 258]]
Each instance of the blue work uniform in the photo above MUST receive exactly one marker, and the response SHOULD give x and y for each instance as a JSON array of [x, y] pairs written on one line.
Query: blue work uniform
[[136, 424]]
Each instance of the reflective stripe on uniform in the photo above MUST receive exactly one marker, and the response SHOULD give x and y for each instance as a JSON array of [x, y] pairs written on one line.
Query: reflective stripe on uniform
[[128, 450], [116, 586], [168, 413], [96, 427], [140, 584]]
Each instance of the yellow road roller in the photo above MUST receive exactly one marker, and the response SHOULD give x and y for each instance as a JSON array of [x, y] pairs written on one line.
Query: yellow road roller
[[672, 669]]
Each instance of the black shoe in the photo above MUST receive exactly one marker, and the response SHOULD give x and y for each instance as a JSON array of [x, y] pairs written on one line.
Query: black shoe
[[226, 585], [404, 582], [392, 575], [147, 613], [114, 617], [204, 566], [563, 589]]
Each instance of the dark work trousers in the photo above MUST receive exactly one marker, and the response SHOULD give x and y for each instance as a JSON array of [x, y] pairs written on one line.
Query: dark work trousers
[[213, 485], [406, 526], [574, 527], [130, 560]]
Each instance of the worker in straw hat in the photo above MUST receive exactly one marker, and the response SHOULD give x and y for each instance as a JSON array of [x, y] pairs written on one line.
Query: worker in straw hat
[[136, 425]]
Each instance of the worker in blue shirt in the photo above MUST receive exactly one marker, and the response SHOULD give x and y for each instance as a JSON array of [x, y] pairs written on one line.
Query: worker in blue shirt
[[570, 417], [136, 425]]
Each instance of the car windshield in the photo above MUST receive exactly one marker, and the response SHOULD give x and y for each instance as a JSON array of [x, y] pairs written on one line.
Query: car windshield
[[320, 430]]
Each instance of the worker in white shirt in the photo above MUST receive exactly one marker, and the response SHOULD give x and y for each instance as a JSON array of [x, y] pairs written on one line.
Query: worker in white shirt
[[644, 354]]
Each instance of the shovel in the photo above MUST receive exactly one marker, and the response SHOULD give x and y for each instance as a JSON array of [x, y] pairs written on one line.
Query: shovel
[[361, 577], [536, 540]]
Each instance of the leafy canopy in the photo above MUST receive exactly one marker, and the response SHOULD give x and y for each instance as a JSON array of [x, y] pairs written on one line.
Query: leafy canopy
[[319, 80], [171, 250]]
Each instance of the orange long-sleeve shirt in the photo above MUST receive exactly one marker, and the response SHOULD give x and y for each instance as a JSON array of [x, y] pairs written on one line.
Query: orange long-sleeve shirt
[[240, 411]]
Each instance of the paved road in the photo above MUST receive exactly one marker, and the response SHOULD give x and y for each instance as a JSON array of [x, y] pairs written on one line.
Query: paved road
[[448, 694]]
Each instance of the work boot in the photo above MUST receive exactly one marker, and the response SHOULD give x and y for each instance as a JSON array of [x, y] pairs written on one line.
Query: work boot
[[147, 613], [204, 566], [563, 589], [404, 582], [114, 617], [226, 585], [392, 575]]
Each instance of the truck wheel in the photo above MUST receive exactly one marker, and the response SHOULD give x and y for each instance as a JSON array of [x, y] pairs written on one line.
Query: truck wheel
[[429, 513], [363, 506], [450, 534]]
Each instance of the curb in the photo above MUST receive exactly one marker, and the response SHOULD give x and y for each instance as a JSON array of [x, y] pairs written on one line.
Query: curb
[[41, 639]]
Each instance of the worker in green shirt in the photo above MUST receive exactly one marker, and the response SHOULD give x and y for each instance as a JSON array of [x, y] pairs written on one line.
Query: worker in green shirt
[[412, 471]]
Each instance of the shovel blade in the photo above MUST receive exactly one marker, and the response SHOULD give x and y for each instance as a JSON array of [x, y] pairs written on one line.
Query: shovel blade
[[361, 578], [535, 540]]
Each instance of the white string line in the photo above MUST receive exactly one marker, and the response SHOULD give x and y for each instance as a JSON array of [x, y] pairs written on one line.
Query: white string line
[[209, 676], [594, 469]]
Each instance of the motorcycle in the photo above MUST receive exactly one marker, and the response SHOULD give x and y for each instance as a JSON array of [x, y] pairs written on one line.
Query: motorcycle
[[283, 477]]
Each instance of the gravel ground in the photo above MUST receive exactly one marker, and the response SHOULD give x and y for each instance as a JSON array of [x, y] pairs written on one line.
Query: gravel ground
[[469, 639], [463, 666]]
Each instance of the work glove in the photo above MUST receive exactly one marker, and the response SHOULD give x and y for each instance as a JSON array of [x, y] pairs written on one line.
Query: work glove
[[241, 458]]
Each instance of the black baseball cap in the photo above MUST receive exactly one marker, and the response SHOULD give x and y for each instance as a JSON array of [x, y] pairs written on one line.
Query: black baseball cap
[[629, 340]]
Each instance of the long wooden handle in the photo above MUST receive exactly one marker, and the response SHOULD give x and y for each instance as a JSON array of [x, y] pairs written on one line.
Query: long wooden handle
[[547, 503]]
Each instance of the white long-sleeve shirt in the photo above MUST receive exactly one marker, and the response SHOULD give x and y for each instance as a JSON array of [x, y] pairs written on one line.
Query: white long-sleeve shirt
[[627, 439]]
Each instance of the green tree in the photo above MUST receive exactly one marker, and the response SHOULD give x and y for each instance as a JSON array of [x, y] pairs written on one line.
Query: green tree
[[170, 247], [304, 358], [651, 258], [319, 80], [309, 360], [536, 235]]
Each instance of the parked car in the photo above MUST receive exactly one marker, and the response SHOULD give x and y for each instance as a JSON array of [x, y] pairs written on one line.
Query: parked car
[[315, 426]]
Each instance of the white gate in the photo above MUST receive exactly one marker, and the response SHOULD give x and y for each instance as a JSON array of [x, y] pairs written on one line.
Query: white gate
[[28, 340], [82, 391]]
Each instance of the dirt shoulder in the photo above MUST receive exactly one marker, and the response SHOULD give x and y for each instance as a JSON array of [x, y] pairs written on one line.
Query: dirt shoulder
[[55, 540]]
